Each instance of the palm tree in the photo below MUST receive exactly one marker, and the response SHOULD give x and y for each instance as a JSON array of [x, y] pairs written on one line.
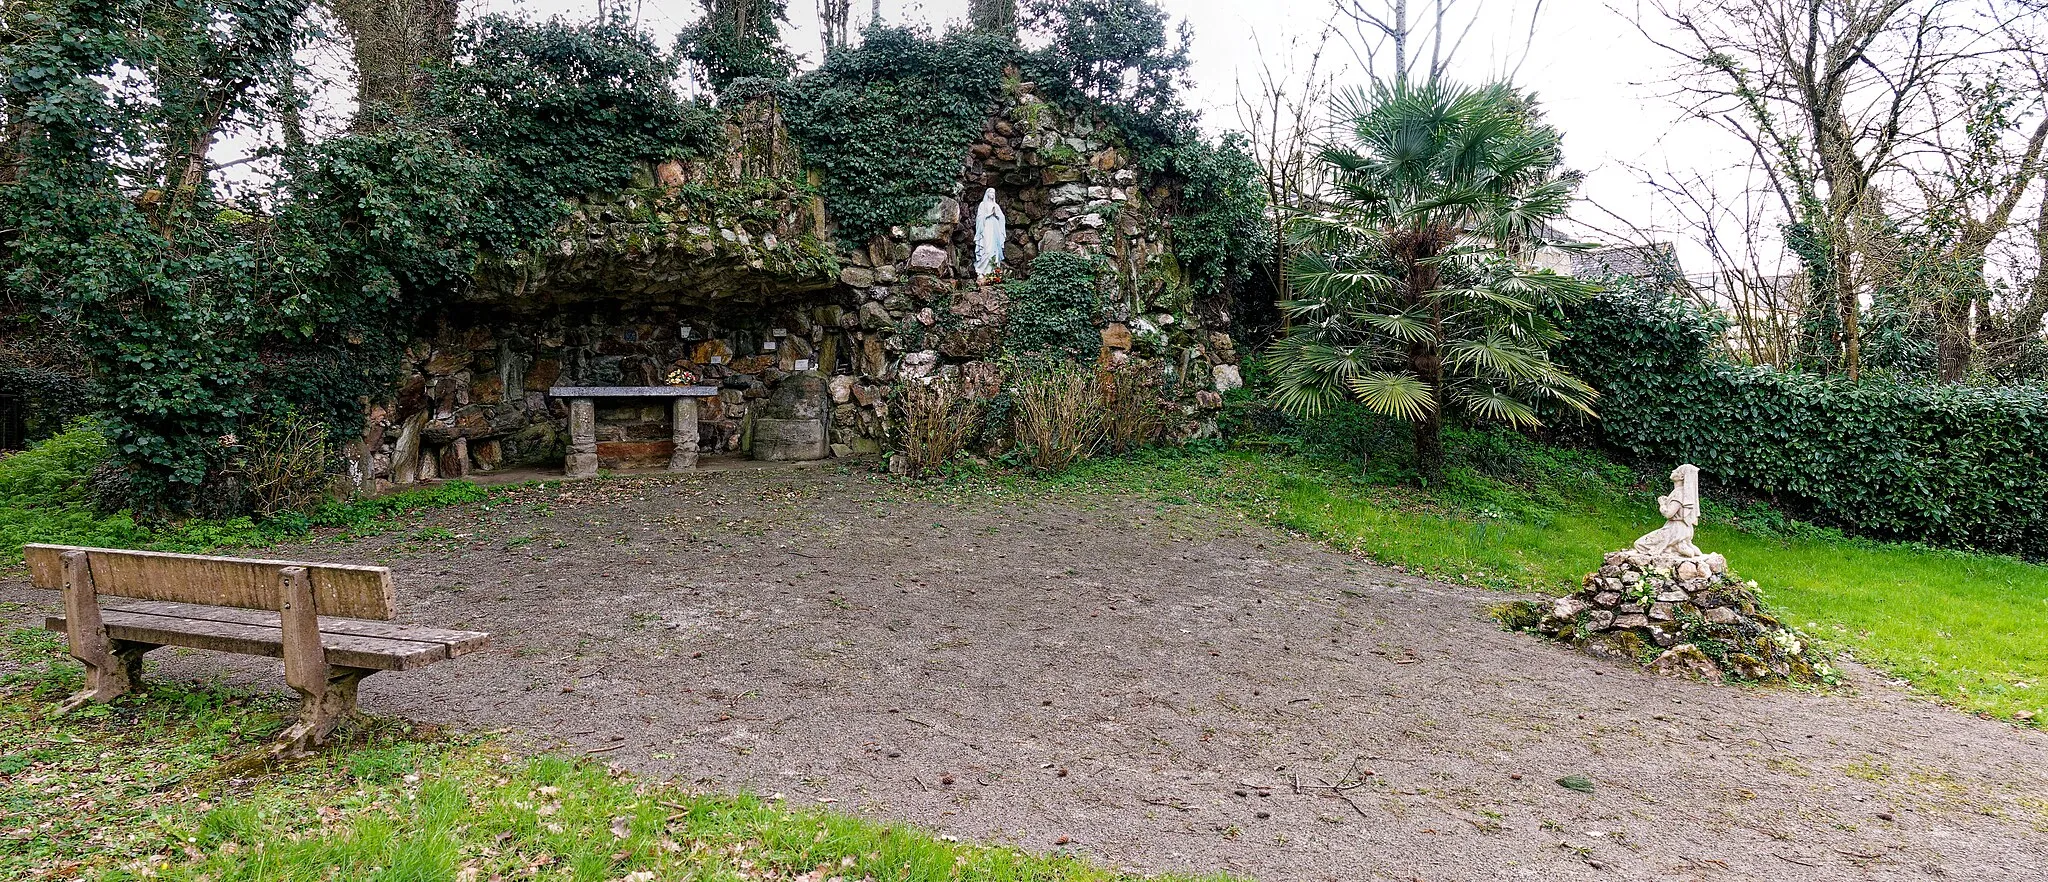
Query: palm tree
[[1413, 292]]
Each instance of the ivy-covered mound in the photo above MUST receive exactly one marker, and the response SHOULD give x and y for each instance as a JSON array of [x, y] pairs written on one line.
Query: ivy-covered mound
[[1689, 617]]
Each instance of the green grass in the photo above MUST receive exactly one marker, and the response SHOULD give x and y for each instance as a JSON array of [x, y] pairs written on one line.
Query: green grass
[[120, 793], [1970, 628]]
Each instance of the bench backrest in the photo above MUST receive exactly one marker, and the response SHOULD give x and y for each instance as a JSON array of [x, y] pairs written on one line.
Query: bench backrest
[[338, 589]]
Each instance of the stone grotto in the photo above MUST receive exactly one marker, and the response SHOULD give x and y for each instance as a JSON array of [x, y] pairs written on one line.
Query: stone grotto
[[722, 273]]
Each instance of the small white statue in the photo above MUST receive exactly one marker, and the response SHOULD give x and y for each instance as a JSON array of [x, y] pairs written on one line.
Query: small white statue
[[1681, 511], [990, 234]]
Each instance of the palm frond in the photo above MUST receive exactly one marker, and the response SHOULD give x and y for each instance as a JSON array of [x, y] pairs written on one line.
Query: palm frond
[[1402, 327], [1496, 406], [1496, 355], [1399, 395]]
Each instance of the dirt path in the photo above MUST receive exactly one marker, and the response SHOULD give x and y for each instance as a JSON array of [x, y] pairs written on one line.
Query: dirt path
[[1144, 683]]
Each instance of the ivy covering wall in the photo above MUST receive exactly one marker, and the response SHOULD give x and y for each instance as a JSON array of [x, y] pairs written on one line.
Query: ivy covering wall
[[1947, 465], [206, 314], [886, 123]]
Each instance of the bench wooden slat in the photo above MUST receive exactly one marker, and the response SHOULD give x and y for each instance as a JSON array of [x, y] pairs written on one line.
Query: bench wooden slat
[[457, 642], [358, 592], [342, 650]]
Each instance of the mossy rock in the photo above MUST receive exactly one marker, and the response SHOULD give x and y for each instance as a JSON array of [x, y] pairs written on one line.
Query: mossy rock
[[1519, 615]]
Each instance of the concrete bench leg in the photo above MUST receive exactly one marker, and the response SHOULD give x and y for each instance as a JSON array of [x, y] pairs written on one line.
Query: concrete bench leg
[[119, 674], [582, 460], [113, 668], [320, 712], [684, 432]]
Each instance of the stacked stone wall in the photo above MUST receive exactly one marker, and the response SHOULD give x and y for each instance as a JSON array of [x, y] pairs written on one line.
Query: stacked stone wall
[[752, 292]]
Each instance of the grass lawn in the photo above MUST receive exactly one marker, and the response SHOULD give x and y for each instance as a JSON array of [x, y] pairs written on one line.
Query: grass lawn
[[119, 793], [1972, 629]]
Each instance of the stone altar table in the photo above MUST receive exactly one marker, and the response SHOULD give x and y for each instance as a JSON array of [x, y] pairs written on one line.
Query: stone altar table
[[582, 459]]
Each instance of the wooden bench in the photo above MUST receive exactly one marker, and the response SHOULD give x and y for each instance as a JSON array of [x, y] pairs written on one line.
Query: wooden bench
[[252, 607]]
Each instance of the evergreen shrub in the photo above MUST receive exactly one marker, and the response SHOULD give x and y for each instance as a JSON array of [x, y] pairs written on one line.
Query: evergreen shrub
[[1950, 465]]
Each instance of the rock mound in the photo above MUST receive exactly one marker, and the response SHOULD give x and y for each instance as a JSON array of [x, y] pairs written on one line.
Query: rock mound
[[1680, 616]]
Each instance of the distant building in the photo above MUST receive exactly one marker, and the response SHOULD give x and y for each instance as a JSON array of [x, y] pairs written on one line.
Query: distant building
[[1655, 263]]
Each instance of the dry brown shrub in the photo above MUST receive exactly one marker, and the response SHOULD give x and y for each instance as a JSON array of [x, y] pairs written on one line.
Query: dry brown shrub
[[285, 464], [1136, 414], [937, 419], [1059, 418]]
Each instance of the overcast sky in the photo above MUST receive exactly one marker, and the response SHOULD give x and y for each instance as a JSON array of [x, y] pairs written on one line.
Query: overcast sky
[[1601, 80]]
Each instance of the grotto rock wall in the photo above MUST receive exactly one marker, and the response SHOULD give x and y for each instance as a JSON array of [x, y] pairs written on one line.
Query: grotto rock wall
[[1067, 181], [730, 273]]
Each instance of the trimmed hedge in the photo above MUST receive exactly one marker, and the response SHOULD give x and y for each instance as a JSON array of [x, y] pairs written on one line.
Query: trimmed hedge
[[1963, 466]]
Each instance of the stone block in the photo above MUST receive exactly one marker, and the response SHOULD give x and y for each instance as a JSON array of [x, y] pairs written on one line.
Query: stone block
[[487, 389], [875, 317], [778, 440], [669, 174], [453, 460], [488, 454], [541, 375], [928, 259], [446, 362], [978, 342], [1686, 660], [580, 465], [634, 454]]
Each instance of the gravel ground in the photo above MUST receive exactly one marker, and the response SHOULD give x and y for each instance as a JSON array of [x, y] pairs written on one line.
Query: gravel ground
[[1163, 687]]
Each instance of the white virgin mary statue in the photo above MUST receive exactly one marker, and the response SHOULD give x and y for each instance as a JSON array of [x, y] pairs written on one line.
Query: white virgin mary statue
[[990, 234]]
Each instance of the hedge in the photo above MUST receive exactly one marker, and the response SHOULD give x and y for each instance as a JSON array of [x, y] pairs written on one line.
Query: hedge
[[1958, 466]]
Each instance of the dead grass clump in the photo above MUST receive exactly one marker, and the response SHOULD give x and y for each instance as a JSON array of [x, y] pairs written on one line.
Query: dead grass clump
[[1133, 409], [1059, 417], [936, 418]]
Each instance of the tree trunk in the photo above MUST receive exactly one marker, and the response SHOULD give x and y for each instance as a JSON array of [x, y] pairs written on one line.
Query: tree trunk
[[1429, 447], [1426, 360], [1952, 338], [995, 16], [394, 43]]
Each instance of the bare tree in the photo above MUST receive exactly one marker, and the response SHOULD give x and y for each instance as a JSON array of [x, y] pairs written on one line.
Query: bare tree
[[1733, 224], [1866, 116], [1828, 93], [394, 42], [1283, 111], [1389, 39], [833, 18], [999, 16]]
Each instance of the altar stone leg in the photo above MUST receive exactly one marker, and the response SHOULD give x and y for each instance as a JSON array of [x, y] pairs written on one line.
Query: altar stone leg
[[685, 431], [582, 461]]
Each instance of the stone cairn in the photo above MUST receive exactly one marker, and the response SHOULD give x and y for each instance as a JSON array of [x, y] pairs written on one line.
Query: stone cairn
[[1665, 604]]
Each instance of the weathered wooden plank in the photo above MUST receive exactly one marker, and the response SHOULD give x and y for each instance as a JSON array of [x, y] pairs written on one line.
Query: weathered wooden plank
[[338, 589], [457, 642], [633, 391], [341, 650]]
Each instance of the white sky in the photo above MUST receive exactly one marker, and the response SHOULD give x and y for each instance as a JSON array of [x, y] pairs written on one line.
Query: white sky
[[1599, 78]]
